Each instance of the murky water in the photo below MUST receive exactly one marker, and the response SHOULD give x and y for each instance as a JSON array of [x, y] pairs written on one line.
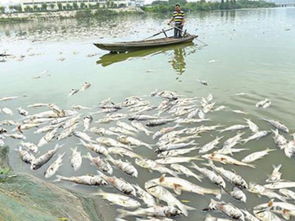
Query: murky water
[[249, 51]]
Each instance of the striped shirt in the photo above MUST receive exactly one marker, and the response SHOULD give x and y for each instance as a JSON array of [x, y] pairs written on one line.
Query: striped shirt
[[178, 16]]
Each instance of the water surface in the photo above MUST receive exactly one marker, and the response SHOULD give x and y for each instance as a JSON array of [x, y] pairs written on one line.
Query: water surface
[[250, 51]]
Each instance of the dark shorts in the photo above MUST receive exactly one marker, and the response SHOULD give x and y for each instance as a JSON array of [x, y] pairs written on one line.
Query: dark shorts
[[178, 30]]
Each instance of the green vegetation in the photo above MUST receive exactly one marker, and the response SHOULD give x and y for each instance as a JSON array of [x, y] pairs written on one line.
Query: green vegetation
[[164, 7]]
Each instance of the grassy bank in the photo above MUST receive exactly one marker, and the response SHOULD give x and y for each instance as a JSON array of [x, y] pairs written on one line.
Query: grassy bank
[[164, 7]]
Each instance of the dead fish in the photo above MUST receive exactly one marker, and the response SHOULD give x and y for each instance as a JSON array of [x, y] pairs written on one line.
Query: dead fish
[[152, 165], [118, 199], [83, 136], [212, 218], [177, 152], [30, 146], [158, 122], [95, 147], [85, 86], [25, 155], [266, 215], [222, 107], [147, 198], [126, 126], [22, 111], [256, 136], [249, 216], [238, 194], [76, 160], [67, 132], [203, 82], [262, 103], [155, 211], [209, 146], [103, 131], [142, 117], [8, 98], [37, 105], [280, 185], [252, 126], [43, 159], [256, 155], [47, 137], [16, 136], [278, 125], [7, 111], [164, 131], [139, 126], [73, 91], [126, 166], [288, 193], [109, 142], [279, 139], [212, 176], [227, 209], [100, 163], [133, 141], [275, 175], [190, 121], [164, 195], [184, 170], [91, 180], [172, 146], [87, 120], [230, 176], [171, 160], [119, 184], [123, 152], [263, 191], [239, 112], [57, 110], [225, 159], [53, 168], [234, 127]]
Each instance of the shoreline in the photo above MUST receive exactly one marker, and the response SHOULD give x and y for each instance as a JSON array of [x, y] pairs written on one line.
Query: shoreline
[[98, 13], [31, 16]]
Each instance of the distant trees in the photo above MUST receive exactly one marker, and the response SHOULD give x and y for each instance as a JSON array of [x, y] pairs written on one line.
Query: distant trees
[[202, 5], [59, 5], [2, 9], [44, 7]]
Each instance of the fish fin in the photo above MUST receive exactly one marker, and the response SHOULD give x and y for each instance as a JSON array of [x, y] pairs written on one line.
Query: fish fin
[[177, 188]]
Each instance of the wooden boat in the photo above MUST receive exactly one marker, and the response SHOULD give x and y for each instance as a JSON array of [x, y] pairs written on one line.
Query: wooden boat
[[144, 44]]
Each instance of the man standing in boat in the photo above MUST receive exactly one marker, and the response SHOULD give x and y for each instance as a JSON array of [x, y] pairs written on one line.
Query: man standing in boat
[[178, 18]]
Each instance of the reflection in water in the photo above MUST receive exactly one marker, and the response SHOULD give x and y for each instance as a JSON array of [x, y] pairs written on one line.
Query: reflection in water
[[178, 62]]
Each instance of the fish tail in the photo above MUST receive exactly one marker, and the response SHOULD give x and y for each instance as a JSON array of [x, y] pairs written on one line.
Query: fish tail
[[58, 178], [250, 165], [123, 213], [277, 168], [194, 166], [270, 150]]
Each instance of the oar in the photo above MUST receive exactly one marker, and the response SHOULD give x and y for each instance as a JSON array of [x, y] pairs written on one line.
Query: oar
[[161, 32]]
